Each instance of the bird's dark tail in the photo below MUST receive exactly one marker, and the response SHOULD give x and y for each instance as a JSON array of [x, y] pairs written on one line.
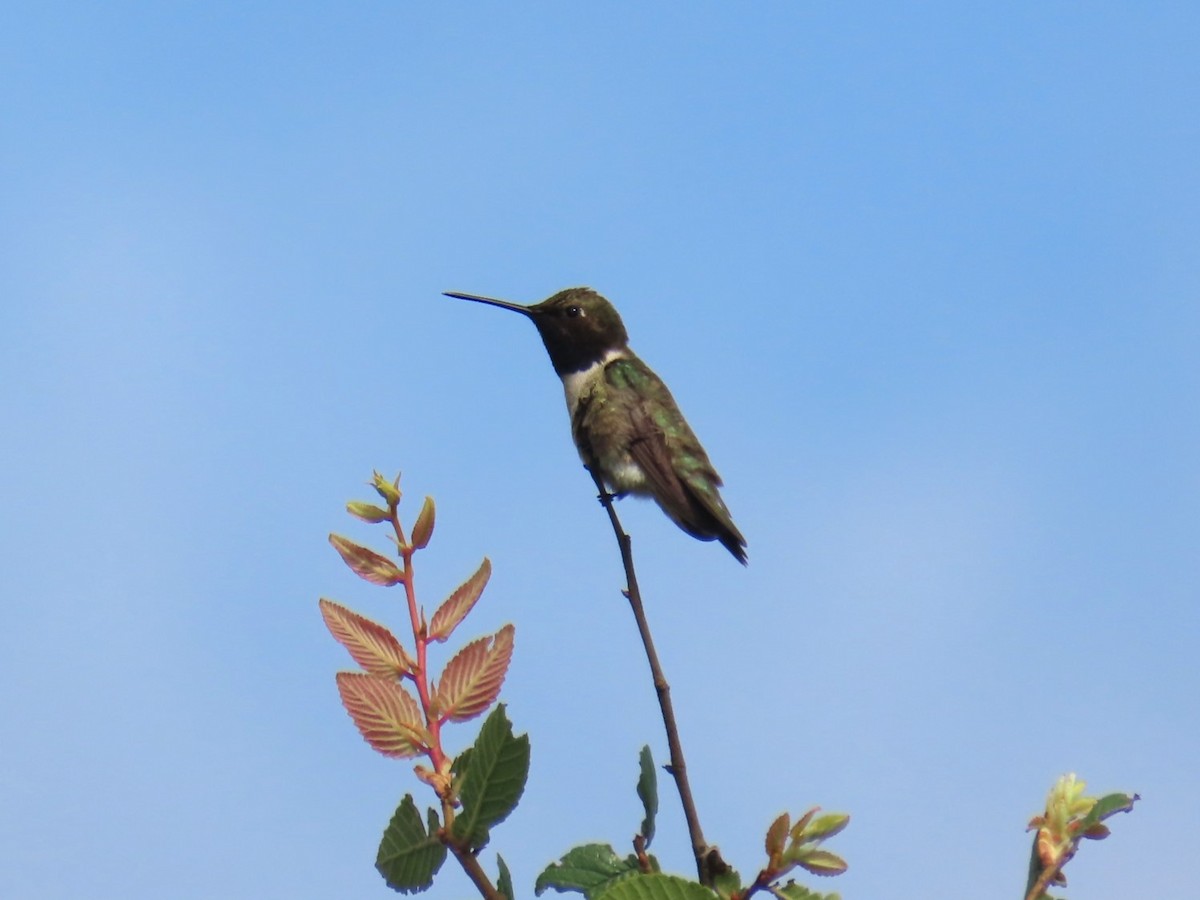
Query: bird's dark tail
[[734, 543]]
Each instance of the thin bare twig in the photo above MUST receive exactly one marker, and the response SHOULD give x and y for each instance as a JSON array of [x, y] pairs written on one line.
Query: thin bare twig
[[708, 860]]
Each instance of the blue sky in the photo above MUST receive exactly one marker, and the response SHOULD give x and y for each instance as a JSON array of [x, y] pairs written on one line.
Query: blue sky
[[924, 279]]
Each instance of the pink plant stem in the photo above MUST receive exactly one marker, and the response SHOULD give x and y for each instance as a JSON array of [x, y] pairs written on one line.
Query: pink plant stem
[[432, 723]]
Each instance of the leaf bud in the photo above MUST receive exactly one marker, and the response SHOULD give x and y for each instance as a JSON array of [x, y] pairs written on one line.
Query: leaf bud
[[368, 512], [423, 527]]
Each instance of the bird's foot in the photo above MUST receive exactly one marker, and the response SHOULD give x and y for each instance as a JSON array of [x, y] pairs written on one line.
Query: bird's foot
[[605, 496]]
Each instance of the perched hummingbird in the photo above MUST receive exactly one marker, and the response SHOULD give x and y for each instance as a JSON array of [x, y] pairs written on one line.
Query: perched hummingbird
[[624, 420]]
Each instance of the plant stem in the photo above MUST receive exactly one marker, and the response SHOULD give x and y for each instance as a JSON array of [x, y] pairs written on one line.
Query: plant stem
[[708, 860], [474, 870], [1040, 878], [466, 859], [420, 676]]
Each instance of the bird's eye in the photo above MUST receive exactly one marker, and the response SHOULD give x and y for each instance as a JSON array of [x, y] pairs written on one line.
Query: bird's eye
[[574, 312]]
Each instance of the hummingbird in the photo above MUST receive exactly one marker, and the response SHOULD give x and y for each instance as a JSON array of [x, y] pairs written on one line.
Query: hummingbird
[[624, 421]]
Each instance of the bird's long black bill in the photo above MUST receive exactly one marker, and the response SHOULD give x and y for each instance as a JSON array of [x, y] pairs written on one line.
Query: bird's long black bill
[[490, 301]]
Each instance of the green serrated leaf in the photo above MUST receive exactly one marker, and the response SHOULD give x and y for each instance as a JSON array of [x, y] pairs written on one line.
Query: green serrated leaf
[[793, 891], [821, 862], [409, 856], [504, 882], [654, 887], [462, 765], [825, 826], [586, 869], [727, 883], [647, 790], [650, 858], [492, 774]]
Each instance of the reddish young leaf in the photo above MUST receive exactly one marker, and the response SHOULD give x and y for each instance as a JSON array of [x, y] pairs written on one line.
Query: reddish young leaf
[[384, 712], [472, 679], [367, 563], [372, 645], [458, 604], [776, 836], [797, 832]]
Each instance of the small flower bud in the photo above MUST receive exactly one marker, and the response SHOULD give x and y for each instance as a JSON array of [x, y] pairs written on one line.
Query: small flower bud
[[388, 490]]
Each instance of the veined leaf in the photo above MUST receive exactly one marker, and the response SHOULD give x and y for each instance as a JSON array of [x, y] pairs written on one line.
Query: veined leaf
[[654, 887], [371, 644], [367, 563], [409, 856], [588, 869], [793, 891], [493, 774], [728, 884], [385, 713], [459, 603], [826, 826], [822, 862], [472, 679]]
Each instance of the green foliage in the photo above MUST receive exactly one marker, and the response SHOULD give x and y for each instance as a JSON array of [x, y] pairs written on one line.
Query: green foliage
[[588, 869], [793, 891], [492, 777], [647, 790], [727, 884], [409, 856], [1108, 805], [1069, 818], [788, 845], [656, 887], [401, 711], [592, 868], [504, 882]]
